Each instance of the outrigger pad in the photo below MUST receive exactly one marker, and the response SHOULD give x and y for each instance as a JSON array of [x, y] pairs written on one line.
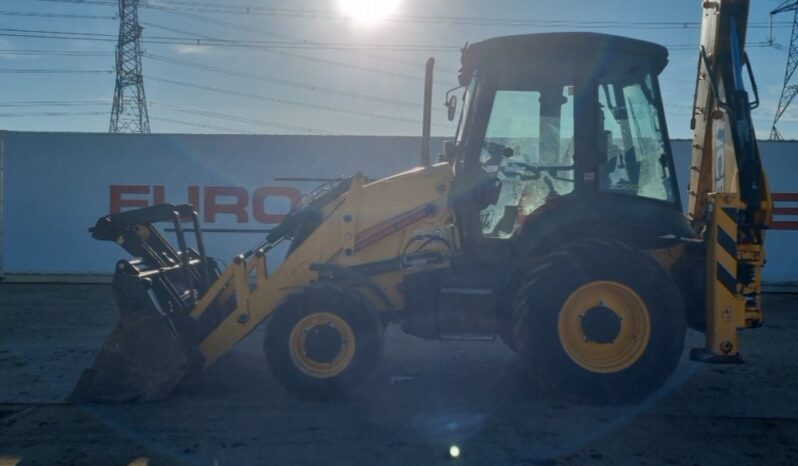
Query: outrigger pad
[[141, 359], [702, 355]]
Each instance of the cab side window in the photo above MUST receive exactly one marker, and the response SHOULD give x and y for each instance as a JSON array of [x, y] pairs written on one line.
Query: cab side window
[[636, 150]]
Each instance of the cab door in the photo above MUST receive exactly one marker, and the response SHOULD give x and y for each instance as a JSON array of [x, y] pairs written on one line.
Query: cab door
[[517, 153]]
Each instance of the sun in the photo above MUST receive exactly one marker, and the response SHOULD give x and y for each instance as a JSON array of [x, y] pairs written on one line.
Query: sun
[[368, 11]]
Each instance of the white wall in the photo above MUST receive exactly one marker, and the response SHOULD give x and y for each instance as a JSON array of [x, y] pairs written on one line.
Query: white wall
[[781, 164], [56, 185]]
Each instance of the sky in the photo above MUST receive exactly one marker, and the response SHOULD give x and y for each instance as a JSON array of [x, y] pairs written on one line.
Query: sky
[[306, 67]]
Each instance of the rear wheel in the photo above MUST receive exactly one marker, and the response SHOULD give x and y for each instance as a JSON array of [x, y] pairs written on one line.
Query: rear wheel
[[323, 342], [599, 320]]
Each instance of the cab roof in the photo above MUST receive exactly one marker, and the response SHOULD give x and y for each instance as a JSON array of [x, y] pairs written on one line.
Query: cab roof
[[558, 46]]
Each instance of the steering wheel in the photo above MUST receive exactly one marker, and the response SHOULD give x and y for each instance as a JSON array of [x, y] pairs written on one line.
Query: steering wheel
[[535, 172], [523, 174]]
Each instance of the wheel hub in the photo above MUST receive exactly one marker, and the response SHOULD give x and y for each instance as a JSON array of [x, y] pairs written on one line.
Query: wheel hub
[[323, 343], [601, 324], [604, 326]]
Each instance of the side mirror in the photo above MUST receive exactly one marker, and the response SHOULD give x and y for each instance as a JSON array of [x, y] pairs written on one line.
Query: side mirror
[[451, 106]]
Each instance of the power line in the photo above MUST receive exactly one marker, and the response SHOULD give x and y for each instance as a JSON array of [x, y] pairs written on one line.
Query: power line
[[316, 60], [147, 24], [56, 35], [65, 53], [206, 67], [677, 47], [220, 22], [35, 14], [251, 76], [49, 114], [53, 103], [266, 45], [302, 41], [308, 58], [90, 103], [240, 119], [305, 45], [351, 66], [694, 47], [63, 34], [254, 10], [53, 71], [83, 2], [264, 32], [280, 82], [294, 103], [215, 42], [202, 125]]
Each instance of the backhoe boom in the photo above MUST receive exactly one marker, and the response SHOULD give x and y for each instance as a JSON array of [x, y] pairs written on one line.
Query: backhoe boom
[[729, 199]]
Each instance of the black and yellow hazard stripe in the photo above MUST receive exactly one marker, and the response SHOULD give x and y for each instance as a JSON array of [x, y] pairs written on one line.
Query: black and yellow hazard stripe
[[725, 300], [726, 241]]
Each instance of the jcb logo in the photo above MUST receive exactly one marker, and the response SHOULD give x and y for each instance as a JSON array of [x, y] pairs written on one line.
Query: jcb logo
[[211, 201]]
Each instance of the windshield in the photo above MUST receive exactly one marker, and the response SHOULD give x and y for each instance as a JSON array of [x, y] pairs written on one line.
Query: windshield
[[637, 154]]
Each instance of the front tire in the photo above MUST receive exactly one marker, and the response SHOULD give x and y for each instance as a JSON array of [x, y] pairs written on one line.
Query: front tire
[[323, 342], [600, 321]]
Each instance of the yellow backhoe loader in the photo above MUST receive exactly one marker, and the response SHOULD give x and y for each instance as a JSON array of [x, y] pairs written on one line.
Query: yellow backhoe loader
[[552, 220]]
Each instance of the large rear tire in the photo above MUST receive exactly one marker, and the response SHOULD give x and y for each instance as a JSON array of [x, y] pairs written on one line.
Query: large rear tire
[[323, 342], [599, 321]]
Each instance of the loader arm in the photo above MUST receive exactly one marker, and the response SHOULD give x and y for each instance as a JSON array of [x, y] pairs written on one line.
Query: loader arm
[[344, 247], [179, 313], [254, 305], [729, 199]]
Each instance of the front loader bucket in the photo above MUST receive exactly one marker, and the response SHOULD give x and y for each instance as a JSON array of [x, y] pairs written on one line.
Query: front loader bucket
[[142, 359]]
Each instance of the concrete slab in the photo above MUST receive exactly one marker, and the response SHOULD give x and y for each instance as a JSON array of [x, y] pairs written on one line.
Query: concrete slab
[[425, 396]]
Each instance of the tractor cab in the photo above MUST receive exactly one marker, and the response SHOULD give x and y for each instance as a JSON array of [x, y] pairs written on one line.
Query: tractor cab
[[554, 118]]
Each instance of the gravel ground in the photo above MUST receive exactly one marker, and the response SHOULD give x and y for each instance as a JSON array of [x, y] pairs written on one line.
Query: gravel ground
[[425, 397]]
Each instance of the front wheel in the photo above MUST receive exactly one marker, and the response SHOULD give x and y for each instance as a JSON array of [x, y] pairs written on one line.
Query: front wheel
[[323, 342], [599, 320]]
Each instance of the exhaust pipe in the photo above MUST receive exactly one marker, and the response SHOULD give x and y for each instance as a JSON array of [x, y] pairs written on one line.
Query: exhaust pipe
[[427, 120]]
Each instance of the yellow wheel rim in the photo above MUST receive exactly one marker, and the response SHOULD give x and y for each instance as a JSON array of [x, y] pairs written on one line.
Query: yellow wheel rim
[[340, 345], [604, 326]]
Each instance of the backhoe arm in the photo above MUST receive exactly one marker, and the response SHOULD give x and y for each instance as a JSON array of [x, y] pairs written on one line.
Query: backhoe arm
[[729, 200]]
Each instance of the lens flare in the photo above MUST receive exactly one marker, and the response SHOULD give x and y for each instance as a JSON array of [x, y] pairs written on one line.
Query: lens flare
[[368, 11]]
